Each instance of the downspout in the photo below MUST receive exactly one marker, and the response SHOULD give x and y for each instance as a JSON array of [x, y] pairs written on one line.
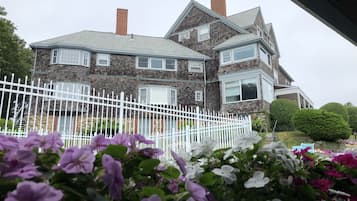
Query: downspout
[[205, 84]]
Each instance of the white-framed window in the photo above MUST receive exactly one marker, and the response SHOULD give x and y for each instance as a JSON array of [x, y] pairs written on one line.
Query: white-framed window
[[198, 96], [103, 59], [240, 90], [184, 35], [157, 95], [265, 56], [238, 54], [268, 91], [156, 63], [70, 57], [195, 66], [70, 90], [203, 33]]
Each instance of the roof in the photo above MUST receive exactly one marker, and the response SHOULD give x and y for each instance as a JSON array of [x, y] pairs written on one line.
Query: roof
[[269, 26], [117, 44], [210, 12], [246, 18], [340, 15], [242, 39], [285, 73]]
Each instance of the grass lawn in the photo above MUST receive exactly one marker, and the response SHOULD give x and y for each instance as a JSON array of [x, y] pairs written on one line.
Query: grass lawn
[[292, 138]]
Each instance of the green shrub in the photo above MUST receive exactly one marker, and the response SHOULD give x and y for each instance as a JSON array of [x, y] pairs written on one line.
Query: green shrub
[[336, 108], [3, 122], [282, 111], [352, 117], [260, 124], [321, 125]]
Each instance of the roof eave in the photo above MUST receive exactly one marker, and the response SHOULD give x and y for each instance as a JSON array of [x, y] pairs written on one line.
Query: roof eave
[[246, 43], [286, 73]]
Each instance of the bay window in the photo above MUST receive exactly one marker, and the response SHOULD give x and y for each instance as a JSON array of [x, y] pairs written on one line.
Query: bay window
[[240, 90], [70, 57], [156, 63], [238, 54], [158, 95]]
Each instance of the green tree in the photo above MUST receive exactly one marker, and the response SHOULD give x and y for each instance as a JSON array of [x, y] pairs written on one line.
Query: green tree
[[282, 111], [14, 56], [352, 120], [336, 108]]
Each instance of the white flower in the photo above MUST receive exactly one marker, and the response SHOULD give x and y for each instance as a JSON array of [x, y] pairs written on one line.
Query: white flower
[[246, 141], [257, 181], [204, 148], [332, 191], [227, 172], [193, 171]]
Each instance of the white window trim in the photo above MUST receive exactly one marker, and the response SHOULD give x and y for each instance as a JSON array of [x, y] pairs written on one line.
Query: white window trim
[[103, 55], [148, 93], [81, 57], [206, 26], [240, 88], [182, 33], [200, 95], [191, 63], [149, 64], [232, 61]]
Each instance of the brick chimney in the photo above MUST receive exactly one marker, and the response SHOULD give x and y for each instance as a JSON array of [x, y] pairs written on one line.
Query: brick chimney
[[219, 6], [122, 22]]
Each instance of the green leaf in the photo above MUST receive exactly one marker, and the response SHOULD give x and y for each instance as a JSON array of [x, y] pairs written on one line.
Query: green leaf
[[94, 195], [170, 173], [148, 191], [147, 166], [116, 151], [208, 179], [47, 160], [7, 186]]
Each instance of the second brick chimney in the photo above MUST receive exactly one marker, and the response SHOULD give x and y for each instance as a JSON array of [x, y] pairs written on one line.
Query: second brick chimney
[[219, 6], [122, 22]]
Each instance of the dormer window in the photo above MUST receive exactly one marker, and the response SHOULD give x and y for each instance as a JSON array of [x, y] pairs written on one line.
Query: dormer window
[[70, 57], [203, 33], [185, 35], [103, 59]]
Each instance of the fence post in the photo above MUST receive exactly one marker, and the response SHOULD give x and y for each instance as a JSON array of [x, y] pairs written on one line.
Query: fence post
[[121, 112], [173, 139], [198, 124], [250, 123], [188, 139]]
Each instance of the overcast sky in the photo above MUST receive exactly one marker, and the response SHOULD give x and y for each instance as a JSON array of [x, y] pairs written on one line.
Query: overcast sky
[[321, 62]]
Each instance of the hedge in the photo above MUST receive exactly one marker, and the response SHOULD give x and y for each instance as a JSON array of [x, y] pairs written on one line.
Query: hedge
[[282, 110], [352, 119], [336, 108]]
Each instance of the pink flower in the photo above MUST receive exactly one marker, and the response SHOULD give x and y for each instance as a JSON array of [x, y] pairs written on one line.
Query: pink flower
[[113, 176], [8, 143], [31, 191], [347, 159], [20, 163], [322, 184], [332, 172], [50, 142], [99, 143]]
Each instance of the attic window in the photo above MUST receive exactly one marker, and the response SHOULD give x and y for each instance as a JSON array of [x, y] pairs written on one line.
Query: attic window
[[203, 33], [103, 59], [185, 35]]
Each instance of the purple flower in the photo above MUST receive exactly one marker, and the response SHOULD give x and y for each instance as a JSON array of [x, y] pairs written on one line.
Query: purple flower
[[180, 162], [52, 142], [99, 143], [173, 186], [121, 139], [31, 191], [8, 143], [151, 152], [113, 176], [152, 198], [76, 160], [20, 163], [198, 193], [142, 139]]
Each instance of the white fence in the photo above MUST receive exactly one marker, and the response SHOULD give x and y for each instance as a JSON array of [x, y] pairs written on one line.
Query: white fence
[[78, 115]]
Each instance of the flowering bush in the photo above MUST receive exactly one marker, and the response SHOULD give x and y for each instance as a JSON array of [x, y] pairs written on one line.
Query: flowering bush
[[37, 168]]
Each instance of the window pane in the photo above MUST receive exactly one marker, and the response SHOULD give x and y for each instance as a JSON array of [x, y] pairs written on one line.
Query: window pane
[[172, 97], [159, 95], [103, 59], [264, 56], [268, 91], [243, 53], [232, 92], [65, 125], [226, 56], [85, 58], [54, 56], [249, 89], [156, 63], [170, 64], [143, 62], [69, 56], [203, 33], [143, 95], [195, 66], [69, 90]]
